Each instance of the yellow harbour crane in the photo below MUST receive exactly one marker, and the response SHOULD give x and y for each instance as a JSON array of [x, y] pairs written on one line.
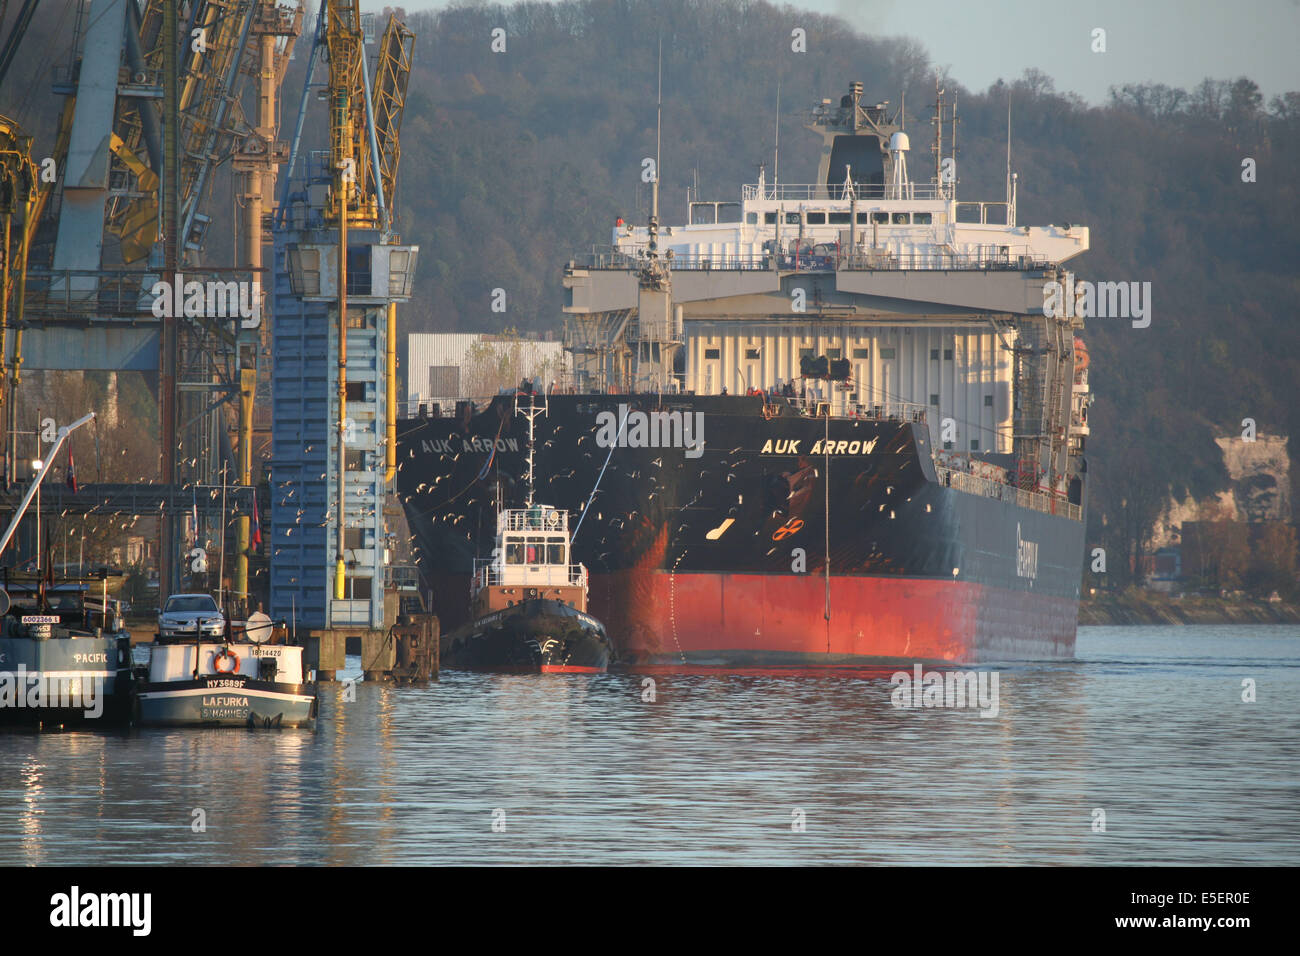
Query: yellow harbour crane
[[20, 200], [345, 270], [364, 152]]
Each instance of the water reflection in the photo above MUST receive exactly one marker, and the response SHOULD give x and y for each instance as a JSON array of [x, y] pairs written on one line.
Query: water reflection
[[1148, 725]]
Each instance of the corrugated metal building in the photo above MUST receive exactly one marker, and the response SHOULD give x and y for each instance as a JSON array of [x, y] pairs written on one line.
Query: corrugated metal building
[[957, 372]]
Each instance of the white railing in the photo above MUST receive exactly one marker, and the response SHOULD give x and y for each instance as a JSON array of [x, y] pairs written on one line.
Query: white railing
[[630, 257], [812, 192], [535, 519], [811, 405], [488, 572], [989, 488]]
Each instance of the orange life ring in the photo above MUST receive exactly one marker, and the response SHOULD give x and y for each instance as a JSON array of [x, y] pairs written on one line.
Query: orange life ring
[[226, 655], [1080, 355]]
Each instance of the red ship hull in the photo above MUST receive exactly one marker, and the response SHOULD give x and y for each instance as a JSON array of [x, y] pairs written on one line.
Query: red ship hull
[[764, 620]]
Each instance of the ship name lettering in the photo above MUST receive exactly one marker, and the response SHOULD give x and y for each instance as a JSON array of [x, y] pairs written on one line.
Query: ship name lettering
[[843, 447], [1026, 556], [225, 701], [445, 446]]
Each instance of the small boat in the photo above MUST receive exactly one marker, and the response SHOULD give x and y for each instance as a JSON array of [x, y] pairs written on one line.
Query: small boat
[[528, 603], [247, 676], [61, 663]]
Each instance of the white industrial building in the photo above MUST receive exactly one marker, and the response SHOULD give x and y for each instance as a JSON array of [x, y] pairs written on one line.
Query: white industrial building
[[445, 367]]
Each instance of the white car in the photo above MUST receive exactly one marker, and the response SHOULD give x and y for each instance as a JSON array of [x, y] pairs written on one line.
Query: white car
[[190, 616]]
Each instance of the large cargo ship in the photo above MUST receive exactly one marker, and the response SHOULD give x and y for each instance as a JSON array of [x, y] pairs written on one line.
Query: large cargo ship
[[831, 423]]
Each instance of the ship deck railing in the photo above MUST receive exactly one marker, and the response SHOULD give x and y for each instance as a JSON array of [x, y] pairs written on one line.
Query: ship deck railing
[[1043, 501], [489, 572], [815, 407], [812, 192], [631, 258], [535, 519]]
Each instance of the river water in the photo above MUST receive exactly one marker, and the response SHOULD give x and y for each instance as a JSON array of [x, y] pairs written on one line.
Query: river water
[[1141, 750]]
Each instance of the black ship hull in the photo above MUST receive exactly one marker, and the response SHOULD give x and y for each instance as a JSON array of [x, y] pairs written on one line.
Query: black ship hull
[[538, 636], [783, 539]]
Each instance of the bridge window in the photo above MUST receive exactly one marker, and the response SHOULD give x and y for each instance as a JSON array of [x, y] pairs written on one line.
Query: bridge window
[[514, 551], [728, 212], [555, 553], [534, 550], [840, 218], [703, 214], [862, 218], [751, 218], [769, 219], [880, 218], [902, 218], [816, 218], [922, 218], [792, 219]]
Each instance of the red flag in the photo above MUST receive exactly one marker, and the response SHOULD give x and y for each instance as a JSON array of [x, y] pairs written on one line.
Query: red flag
[[257, 529], [71, 478]]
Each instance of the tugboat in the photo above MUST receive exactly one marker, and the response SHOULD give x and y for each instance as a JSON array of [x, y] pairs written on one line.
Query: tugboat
[[528, 603], [250, 677], [61, 663]]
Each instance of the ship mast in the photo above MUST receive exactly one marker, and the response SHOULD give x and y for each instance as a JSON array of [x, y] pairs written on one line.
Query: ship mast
[[654, 332], [531, 413]]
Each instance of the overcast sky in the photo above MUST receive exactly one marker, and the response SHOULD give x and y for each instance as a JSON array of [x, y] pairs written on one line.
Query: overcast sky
[[1177, 42]]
